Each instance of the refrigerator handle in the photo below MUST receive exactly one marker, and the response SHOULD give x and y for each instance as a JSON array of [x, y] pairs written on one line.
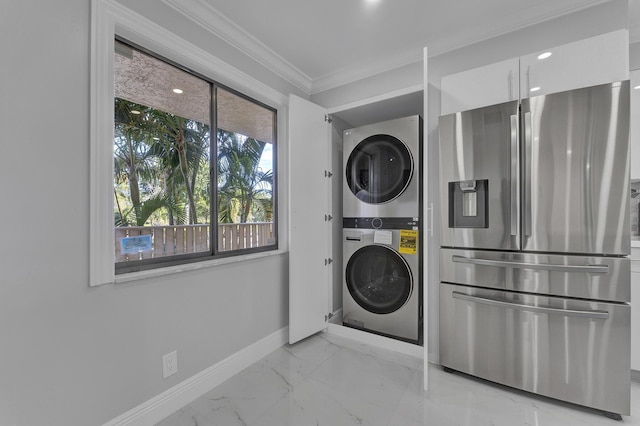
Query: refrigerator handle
[[515, 184], [528, 154], [590, 269], [595, 314]]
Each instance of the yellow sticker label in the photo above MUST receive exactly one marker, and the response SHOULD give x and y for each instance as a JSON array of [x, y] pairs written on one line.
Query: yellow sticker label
[[408, 242]]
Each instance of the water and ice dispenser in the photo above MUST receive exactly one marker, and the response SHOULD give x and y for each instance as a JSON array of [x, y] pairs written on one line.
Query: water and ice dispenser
[[468, 204]]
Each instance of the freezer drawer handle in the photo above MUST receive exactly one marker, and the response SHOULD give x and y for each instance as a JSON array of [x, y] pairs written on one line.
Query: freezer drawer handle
[[592, 269], [537, 309]]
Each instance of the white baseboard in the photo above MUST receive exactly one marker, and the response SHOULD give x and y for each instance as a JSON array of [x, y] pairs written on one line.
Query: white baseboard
[[173, 399], [376, 340]]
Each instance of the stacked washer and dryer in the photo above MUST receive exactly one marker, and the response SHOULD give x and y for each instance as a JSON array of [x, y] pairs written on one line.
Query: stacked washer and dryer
[[382, 240]]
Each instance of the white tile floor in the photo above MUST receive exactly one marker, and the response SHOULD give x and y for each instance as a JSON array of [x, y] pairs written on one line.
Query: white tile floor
[[332, 381]]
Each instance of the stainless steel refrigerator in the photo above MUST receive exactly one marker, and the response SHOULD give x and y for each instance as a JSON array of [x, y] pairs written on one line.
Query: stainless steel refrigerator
[[534, 267]]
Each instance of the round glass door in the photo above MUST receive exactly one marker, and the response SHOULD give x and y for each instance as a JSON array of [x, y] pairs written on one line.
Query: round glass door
[[378, 279], [379, 169]]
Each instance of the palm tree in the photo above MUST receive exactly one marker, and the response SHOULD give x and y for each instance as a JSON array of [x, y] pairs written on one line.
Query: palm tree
[[133, 157], [182, 146], [156, 149], [244, 189], [143, 211]]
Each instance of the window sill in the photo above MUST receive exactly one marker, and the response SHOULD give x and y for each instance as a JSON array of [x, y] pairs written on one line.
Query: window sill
[[160, 272]]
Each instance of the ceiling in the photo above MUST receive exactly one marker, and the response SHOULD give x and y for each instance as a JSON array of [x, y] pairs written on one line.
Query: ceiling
[[318, 45]]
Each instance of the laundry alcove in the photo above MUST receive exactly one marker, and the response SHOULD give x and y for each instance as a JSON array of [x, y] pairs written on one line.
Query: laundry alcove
[[315, 209]]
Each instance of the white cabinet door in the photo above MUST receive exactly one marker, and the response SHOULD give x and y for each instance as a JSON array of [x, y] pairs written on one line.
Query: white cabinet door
[[595, 60], [635, 124], [309, 232], [478, 87], [635, 309]]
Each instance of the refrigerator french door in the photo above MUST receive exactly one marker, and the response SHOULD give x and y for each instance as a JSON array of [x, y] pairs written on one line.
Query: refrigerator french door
[[534, 239], [562, 162]]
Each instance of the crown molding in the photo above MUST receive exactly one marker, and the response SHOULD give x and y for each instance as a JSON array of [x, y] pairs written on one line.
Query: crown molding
[[221, 26]]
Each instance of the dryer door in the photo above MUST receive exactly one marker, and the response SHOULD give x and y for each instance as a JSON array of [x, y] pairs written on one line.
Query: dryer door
[[378, 279], [379, 169]]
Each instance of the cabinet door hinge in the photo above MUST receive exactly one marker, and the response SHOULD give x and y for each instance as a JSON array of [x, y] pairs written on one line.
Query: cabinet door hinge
[[328, 261], [327, 174], [328, 118], [327, 217], [328, 317]]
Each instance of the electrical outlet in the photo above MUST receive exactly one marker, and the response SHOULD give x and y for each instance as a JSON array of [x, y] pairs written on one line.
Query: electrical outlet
[[169, 364]]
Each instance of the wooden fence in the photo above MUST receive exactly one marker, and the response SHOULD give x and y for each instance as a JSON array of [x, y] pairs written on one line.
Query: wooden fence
[[184, 239]]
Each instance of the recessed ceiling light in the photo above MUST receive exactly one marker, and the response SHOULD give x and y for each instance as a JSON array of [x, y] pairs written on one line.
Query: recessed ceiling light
[[535, 89], [178, 91], [544, 55], [135, 111], [637, 87]]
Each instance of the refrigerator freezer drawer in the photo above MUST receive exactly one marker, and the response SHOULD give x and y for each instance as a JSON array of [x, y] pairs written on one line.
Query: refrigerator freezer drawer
[[572, 350], [585, 277]]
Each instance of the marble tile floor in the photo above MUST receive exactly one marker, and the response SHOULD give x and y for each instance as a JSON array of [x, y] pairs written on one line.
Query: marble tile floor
[[328, 380]]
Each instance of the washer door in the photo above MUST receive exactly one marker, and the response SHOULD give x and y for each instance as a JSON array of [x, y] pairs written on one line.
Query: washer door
[[379, 169], [378, 279]]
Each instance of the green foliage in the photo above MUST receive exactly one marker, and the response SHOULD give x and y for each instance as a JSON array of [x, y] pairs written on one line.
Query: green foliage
[[159, 155], [139, 215], [162, 172], [245, 191]]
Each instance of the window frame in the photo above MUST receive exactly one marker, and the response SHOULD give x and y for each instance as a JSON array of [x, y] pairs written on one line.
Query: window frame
[[275, 187], [214, 252], [111, 20]]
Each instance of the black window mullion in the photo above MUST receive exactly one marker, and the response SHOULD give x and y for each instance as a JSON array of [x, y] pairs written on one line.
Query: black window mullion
[[213, 171], [275, 188]]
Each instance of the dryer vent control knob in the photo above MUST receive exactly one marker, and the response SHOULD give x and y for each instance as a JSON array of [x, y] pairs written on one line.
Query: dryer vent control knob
[[376, 223]]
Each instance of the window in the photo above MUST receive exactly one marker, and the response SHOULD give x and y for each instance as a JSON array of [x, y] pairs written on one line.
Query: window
[[178, 197], [245, 173]]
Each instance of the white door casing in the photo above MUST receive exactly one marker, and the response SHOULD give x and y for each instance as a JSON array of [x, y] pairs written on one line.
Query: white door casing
[[428, 212]]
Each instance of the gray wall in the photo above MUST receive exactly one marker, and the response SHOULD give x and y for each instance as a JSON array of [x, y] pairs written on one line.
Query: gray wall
[[69, 354]]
